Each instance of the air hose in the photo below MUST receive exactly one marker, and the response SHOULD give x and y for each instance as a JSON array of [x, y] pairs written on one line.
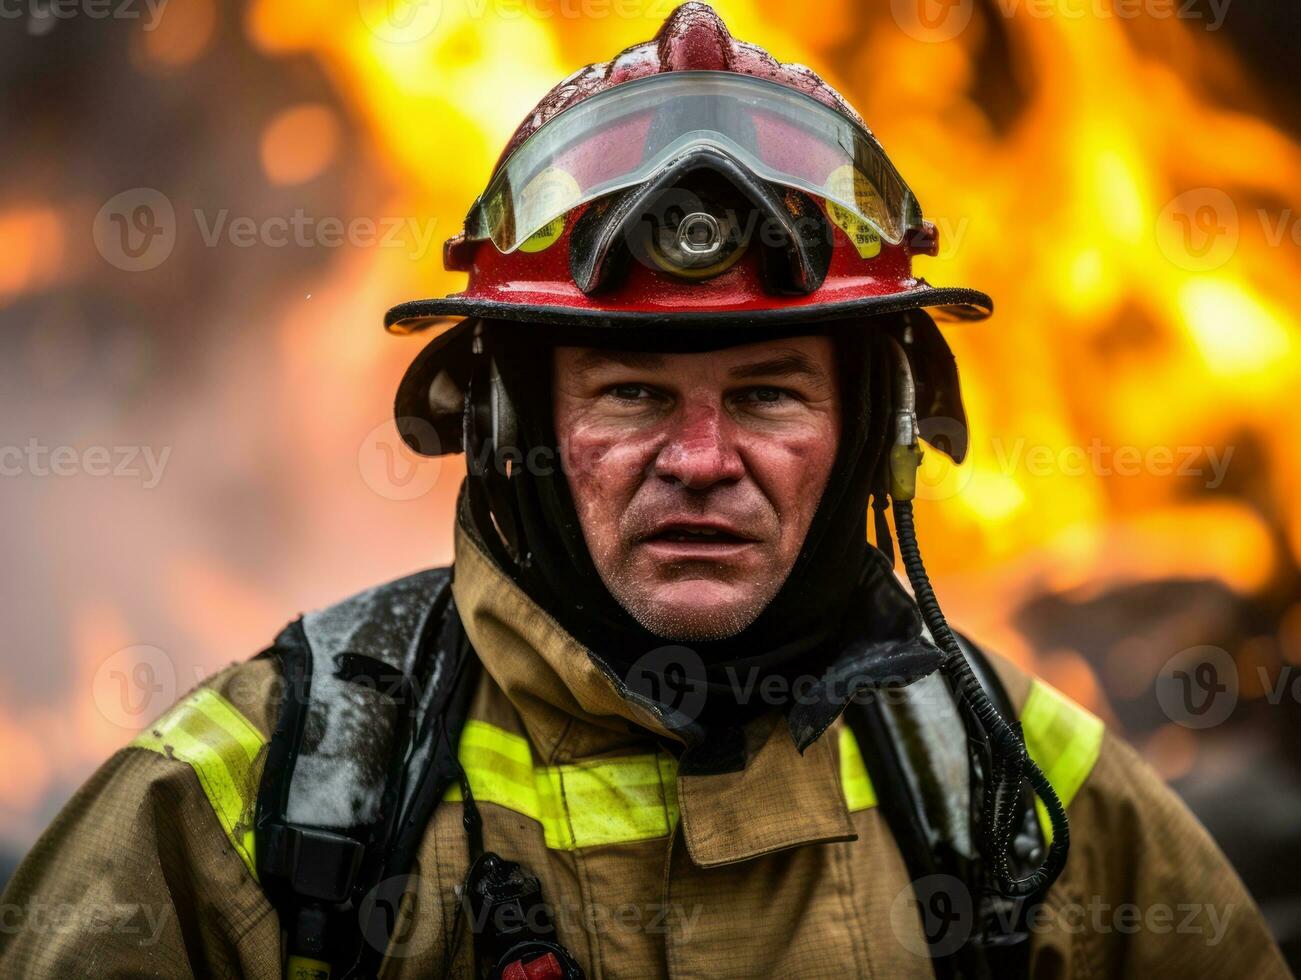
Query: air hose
[[1009, 762]]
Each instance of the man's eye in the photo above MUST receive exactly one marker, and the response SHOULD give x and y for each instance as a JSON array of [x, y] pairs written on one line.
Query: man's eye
[[630, 392], [765, 396]]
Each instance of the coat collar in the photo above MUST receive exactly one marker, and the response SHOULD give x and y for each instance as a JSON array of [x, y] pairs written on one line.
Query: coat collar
[[570, 704]]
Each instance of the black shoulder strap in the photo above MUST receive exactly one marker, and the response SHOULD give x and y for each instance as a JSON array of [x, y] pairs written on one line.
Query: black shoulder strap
[[915, 748], [376, 689]]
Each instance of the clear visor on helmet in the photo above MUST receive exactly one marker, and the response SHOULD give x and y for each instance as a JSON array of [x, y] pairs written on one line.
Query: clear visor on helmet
[[628, 134]]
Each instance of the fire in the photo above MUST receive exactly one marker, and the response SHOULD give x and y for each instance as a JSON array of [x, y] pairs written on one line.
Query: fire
[[1142, 284]]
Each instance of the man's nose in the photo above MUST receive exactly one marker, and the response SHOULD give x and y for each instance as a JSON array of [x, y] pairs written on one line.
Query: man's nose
[[700, 451]]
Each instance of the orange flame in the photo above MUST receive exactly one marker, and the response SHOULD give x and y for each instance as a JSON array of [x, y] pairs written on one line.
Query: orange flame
[[1142, 283]]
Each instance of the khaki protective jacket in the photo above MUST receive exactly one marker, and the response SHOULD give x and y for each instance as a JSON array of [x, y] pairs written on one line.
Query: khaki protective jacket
[[784, 869]]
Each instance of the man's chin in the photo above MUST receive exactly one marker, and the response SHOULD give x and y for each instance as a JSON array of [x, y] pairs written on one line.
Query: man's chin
[[696, 611]]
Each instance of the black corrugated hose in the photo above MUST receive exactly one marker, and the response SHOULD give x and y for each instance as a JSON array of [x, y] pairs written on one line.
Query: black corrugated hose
[[1011, 762]]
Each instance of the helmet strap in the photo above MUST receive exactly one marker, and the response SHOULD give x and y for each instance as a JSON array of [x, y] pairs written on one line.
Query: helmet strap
[[491, 439]]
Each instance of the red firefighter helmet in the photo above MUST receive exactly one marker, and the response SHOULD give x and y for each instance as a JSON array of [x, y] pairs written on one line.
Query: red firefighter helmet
[[692, 183]]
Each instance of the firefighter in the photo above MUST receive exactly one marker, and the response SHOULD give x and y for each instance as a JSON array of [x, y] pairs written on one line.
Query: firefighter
[[669, 713]]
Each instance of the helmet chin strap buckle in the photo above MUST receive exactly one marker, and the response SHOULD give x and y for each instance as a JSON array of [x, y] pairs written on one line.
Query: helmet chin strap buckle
[[905, 449]]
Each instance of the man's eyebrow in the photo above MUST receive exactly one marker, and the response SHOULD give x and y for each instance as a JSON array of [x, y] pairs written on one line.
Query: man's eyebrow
[[783, 366], [635, 360]]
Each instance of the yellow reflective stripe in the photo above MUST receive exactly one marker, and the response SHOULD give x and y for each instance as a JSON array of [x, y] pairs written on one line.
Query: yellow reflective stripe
[[609, 801], [614, 801], [209, 734], [480, 734], [859, 793], [1063, 738], [633, 798], [499, 766]]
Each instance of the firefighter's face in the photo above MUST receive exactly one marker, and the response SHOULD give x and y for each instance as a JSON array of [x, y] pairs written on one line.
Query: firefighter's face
[[696, 476]]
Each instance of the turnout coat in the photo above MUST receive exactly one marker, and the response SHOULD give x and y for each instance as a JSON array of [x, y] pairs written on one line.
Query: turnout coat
[[785, 868]]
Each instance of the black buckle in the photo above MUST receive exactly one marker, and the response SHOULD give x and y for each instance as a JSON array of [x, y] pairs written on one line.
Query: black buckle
[[316, 864]]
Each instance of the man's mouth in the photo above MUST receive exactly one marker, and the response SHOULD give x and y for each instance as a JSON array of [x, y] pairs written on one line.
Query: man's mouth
[[702, 539]]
